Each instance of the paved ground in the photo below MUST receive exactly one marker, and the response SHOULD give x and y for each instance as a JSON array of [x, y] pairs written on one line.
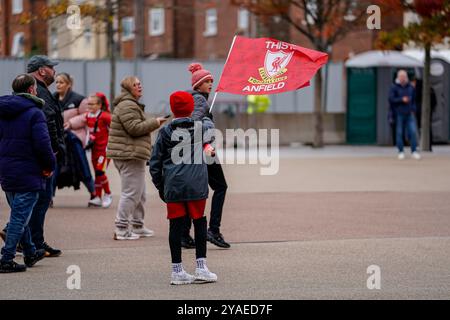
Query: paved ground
[[309, 232]]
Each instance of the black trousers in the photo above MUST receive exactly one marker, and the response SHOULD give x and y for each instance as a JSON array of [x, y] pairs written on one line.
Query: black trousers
[[217, 182], [175, 232]]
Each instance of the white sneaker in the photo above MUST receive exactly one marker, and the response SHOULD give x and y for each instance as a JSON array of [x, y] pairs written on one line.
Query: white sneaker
[[203, 275], [401, 156], [107, 200], [96, 202], [125, 235], [181, 278], [416, 155], [143, 232]]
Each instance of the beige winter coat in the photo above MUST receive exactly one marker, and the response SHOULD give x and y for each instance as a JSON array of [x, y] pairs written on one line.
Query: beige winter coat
[[129, 135]]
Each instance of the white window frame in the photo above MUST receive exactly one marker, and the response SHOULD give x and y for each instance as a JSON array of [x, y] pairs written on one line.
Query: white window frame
[[17, 6], [17, 49], [156, 14], [130, 22], [312, 12], [210, 22], [54, 43], [243, 19]]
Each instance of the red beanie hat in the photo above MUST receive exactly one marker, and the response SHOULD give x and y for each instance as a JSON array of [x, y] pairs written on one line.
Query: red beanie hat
[[181, 104], [199, 75]]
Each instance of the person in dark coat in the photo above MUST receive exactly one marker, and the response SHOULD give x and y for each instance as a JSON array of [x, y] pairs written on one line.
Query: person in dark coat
[[26, 159], [402, 100], [202, 84], [42, 69], [76, 167], [180, 174]]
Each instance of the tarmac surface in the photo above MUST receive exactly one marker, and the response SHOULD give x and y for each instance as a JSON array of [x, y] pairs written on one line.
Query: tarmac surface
[[312, 231]]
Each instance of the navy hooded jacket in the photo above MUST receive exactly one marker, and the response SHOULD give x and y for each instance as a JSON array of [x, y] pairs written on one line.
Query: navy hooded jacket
[[25, 147], [396, 95]]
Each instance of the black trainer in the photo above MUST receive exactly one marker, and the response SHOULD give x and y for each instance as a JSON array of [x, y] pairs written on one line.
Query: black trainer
[[217, 239], [11, 266], [51, 252], [31, 260], [188, 242]]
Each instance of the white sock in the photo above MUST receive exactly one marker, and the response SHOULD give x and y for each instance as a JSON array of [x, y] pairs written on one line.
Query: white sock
[[177, 267], [201, 263]]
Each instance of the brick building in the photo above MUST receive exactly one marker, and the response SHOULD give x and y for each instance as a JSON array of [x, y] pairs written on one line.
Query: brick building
[[204, 29], [16, 38], [188, 29]]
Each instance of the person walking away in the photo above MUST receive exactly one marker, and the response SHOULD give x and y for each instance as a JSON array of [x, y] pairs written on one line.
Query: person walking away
[[26, 159], [183, 185], [129, 147]]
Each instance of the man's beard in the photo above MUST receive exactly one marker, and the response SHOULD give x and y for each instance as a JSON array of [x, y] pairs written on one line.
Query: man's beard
[[49, 80]]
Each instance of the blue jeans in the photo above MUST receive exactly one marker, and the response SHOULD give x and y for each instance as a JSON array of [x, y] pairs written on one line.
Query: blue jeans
[[21, 204], [407, 121], [40, 209]]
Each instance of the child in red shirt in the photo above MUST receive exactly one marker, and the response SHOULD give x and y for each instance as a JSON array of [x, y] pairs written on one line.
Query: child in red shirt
[[98, 120]]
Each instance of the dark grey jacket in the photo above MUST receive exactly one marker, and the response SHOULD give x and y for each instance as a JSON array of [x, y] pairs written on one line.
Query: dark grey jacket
[[177, 165], [201, 106]]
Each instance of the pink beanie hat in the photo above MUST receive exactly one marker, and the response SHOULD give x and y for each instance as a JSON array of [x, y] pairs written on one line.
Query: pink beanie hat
[[199, 75]]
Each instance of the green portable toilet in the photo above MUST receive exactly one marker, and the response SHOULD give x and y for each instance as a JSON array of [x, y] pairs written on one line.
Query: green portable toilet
[[369, 78]]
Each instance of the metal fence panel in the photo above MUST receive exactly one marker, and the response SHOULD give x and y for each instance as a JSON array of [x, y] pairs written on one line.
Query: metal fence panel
[[161, 78]]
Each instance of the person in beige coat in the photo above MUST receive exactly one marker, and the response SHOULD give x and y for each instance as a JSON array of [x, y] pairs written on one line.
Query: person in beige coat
[[129, 146]]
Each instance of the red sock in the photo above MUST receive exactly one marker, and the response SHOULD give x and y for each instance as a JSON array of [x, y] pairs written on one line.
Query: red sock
[[98, 186], [105, 184]]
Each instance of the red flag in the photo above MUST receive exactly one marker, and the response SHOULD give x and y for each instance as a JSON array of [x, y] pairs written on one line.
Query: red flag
[[268, 66]]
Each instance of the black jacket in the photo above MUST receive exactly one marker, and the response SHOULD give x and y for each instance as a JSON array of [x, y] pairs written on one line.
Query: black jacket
[[55, 121], [185, 178], [71, 100]]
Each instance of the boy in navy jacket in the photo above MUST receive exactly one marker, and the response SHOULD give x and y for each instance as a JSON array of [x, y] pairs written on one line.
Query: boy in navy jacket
[[26, 159]]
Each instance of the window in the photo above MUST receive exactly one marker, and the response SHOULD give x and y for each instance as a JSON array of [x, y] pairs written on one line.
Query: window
[[127, 28], [211, 23], [349, 16], [17, 47], [156, 22], [87, 35], [311, 11], [243, 19], [54, 42], [17, 6]]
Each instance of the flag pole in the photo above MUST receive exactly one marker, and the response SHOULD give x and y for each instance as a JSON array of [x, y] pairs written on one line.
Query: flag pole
[[215, 95]]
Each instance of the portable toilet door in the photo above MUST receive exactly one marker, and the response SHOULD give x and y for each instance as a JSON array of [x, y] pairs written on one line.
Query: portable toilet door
[[440, 81], [440, 73], [361, 106]]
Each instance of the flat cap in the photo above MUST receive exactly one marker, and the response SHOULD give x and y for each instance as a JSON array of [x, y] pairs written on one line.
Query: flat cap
[[38, 61]]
